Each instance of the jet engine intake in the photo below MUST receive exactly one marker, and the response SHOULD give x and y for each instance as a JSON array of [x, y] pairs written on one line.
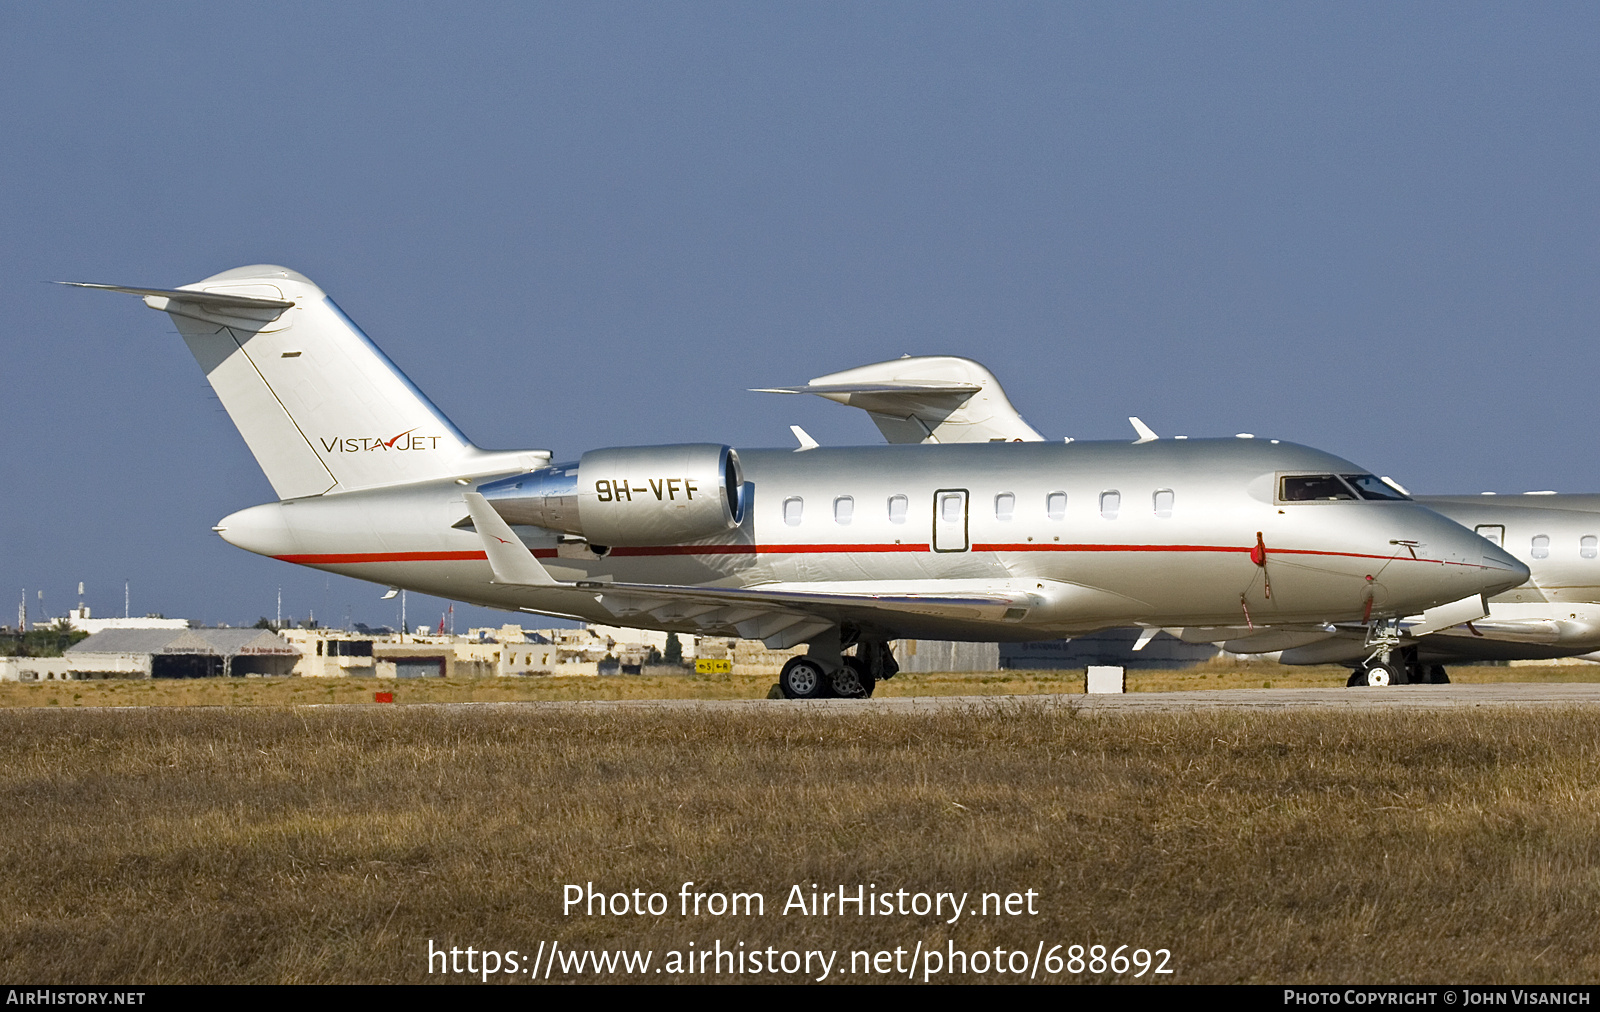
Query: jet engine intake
[[629, 495]]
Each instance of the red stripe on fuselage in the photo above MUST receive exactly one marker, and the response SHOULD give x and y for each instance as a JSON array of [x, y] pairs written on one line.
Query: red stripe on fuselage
[[661, 550], [1052, 547], [766, 549]]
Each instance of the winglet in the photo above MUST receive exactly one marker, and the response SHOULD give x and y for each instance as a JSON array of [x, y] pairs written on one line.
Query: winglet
[[509, 558], [1146, 434]]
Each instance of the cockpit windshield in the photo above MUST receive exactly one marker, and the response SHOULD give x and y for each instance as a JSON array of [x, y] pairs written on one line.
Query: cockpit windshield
[[1372, 487], [1336, 487], [1314, 488]]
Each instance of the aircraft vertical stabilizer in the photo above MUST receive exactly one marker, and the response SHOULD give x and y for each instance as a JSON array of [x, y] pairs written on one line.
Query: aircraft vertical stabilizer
[[926, 399], [318, 403]]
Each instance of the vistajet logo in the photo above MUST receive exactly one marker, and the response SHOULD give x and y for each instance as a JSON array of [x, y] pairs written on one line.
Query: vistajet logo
[[407, 440]]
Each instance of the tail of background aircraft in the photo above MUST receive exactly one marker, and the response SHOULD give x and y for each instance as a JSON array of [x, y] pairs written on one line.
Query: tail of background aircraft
[[926, 399], [320, 406]]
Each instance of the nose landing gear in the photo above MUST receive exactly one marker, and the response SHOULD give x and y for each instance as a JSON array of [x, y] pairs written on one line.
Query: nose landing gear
[[1385, 665], [1396, 665], [1378, 672]]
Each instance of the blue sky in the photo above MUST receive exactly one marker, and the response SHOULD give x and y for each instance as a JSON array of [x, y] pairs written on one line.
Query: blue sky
[[1369, 228]]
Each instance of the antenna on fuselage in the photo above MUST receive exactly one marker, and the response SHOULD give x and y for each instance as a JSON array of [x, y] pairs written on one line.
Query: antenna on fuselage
[[806, 442]]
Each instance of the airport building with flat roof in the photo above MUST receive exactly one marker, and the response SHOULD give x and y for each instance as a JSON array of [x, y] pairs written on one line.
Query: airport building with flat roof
[[182, 653]]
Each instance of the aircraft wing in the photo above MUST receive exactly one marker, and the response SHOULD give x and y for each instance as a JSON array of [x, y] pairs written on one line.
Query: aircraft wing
[[779, 614], [927, 399], [783, 615], [1522, 630], [220, 300]]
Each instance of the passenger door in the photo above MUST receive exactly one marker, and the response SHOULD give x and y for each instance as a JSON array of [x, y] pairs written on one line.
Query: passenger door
[[950, 520]]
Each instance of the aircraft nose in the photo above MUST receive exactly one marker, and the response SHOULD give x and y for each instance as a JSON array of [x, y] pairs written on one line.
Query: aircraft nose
[[1501, 570]]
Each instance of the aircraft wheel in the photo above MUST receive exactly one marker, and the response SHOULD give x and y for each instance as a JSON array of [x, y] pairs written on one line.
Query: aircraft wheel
[[1357, 677], [1437, 675], [1380, 675], [803, 678], [853, 681]]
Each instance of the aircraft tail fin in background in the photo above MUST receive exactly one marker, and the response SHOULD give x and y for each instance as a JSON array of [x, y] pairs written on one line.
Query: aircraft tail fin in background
[[319, 404], [927, 399]]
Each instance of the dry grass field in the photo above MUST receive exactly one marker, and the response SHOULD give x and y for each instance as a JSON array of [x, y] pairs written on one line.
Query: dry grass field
[[299, 691], [300, 844]]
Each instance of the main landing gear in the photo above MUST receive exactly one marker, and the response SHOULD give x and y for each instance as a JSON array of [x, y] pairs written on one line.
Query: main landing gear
[[1398, 666], [816, 675]]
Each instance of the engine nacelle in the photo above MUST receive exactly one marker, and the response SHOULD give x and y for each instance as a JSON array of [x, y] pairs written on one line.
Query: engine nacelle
[[629, 495]]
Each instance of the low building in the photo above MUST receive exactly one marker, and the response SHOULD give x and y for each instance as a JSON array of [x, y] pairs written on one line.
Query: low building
[[79, 619], [507, 651], [945, 655], [332, 653], [181, 653], [35, 669]]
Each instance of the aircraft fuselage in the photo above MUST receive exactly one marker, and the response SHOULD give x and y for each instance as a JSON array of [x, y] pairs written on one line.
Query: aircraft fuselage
[[1100, 534]]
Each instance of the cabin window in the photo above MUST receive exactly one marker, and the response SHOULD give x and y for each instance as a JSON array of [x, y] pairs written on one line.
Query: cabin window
[[793, 507], [1495, 534], [1005, 506], [1541, 546], [1163, 503], [844, 508], [897, 509], [1055, 505], [1587, 546], [1110, 503]]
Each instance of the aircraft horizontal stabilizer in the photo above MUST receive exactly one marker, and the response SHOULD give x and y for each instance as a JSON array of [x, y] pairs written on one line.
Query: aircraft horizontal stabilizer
[[509, 558], [906, 387], [217, 299]]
